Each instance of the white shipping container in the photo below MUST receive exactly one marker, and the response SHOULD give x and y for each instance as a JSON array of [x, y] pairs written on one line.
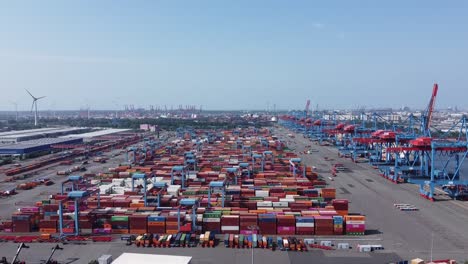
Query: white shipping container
[[264, 204], [212, 220], [286, 200], [182, 214], [326, 243], [118, 190], [229, 228], [364, 248], [260, 193], [305, 225], [355, 222], [95, 182], [105, 259], [280, 204], [265, 208]]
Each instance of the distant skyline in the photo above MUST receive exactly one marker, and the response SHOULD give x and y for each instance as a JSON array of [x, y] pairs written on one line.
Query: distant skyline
[[233, 54]]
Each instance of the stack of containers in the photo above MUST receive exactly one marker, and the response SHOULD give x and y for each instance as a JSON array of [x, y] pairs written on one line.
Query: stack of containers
[[212, 221], [286, 225], [341, 206], [262, 193], [156, 224], [50, 210], [69, 226], [48, 226], [86, 223], [171, 224], [264, 205], [337, 225], [267, 224], [138, 224], [305, 225], [103, 224], [328, 194], [7, 226], [311, 193], [355, 224], [230, 224], [248, 224], [21, 223], [119, 224], [323, 225]]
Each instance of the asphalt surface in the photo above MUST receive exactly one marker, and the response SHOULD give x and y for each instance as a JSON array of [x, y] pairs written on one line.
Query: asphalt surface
[[83, 254], [405, 235], [409, 234]]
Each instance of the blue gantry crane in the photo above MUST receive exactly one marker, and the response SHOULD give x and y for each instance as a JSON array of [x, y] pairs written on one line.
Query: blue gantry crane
[[193, 204], [296, 167], [257, 162], [179, 171], [217, 186], [246, 169], [158, 189], [232, 175], [73, 181], [144, 178], [76, 197], [190, 161]]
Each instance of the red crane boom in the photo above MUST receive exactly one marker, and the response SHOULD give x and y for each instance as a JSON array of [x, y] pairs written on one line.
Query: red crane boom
[[430, 107]]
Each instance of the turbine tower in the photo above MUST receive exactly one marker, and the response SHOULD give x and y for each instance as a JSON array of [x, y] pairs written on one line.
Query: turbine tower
[[34, 105]]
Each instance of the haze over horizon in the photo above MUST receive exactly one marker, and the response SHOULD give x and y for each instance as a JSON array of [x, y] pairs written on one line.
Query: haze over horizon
[[233, 55]]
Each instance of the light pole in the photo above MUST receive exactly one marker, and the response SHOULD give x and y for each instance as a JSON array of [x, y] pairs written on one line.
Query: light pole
[[253, 228], [432, 243]]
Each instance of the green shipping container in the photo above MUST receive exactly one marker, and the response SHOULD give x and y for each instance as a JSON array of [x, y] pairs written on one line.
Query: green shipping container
[[119, 218]]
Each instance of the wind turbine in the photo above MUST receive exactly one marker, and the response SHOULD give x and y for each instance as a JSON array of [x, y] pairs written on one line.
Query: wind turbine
[[34, 105]]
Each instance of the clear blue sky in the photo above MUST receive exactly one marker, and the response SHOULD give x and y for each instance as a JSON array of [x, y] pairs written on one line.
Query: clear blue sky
[[233, 54]]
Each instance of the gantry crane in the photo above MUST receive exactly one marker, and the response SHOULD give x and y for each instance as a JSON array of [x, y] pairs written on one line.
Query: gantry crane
[[295, 167], [179, 171], [194, 204], [217, 185]]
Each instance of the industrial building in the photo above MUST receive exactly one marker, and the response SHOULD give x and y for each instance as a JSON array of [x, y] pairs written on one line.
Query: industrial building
[[34, 146], [98, 133], [30, 134]]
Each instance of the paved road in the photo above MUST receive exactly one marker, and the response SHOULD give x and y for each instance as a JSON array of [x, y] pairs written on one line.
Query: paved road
[[83, 254], [409, 234]]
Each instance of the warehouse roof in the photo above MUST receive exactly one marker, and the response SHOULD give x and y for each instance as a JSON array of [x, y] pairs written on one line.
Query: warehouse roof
[[19, 132], [30, 134], [97, 133], [40, 131], [35, 145], [126, 258]]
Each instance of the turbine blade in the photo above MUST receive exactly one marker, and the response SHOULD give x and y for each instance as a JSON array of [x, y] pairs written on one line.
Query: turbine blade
[[30, 94], [40, 97], [32, 106]]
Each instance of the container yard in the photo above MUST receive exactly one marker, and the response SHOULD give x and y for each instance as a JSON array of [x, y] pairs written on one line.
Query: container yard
[[206, 132], [233, 189]]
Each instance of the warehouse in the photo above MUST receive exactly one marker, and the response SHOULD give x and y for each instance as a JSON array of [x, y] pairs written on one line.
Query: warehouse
[[30, 134], [30, 147], [90, 136]]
